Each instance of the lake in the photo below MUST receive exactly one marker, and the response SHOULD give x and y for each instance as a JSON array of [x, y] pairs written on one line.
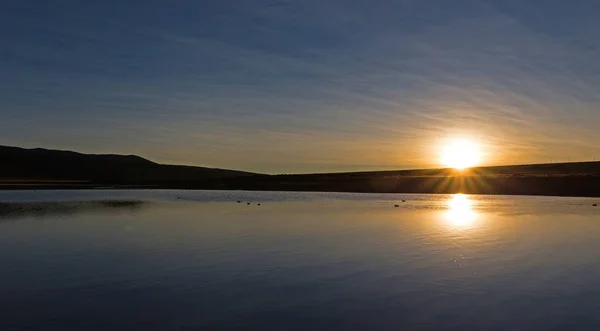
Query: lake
[[199, 260]]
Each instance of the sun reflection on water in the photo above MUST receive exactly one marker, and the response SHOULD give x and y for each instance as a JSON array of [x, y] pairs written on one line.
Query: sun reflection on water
[[460, 213]]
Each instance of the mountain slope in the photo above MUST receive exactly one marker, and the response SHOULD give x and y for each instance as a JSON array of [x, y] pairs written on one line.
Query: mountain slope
[[39, 163]]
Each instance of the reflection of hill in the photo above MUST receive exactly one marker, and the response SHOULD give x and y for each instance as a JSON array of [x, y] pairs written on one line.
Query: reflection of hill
[[44, 209]]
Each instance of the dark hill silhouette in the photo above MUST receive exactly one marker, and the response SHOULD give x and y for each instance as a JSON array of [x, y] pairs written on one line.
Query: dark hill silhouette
[[41, 168], [549, 169], [559, 179], [39, 163]]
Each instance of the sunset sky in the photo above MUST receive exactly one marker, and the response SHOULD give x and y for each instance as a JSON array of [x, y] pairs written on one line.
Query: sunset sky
[[303, 86]]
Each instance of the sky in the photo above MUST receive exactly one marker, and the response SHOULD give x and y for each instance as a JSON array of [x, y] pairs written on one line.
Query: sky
[[281, 86]]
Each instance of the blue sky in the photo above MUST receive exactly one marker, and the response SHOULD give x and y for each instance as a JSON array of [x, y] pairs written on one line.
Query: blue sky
[[302, 86]]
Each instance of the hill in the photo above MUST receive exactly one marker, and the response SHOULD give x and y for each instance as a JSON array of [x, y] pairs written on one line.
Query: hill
[[44, 164], [559, 179], [549, 169], [51, 169]]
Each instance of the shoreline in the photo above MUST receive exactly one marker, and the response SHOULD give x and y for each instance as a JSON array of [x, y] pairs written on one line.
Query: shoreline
[[565, 187]]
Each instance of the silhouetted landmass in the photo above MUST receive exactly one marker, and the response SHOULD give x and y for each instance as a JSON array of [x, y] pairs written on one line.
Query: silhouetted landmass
[[39, 168], [564, 179], [43, 165]]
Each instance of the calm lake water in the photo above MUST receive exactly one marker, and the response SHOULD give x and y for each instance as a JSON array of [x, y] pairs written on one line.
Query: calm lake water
[[198, 260]]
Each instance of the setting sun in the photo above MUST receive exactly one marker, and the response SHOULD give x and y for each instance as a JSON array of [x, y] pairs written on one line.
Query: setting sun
[[461, 154]]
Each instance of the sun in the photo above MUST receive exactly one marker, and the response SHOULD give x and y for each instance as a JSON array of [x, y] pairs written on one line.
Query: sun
[[461, 154]]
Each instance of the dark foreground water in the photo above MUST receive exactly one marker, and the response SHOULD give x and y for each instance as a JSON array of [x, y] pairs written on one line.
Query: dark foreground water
[[198, 260]]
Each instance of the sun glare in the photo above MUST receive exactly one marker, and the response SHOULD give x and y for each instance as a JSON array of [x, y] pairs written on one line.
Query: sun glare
[[461, 154], [460, 211]]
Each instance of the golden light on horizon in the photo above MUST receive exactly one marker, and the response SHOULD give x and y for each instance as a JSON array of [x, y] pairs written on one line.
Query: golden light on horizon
[[460, 211], [461, 154]]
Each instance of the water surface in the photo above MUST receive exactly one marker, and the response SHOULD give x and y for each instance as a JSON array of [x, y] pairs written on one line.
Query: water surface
[[199, 260]]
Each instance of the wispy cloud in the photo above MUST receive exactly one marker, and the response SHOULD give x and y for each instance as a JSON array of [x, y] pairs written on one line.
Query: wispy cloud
[[306, 86]]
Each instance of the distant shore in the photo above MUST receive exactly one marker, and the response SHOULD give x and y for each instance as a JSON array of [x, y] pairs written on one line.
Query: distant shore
[[43, 169], [573, 185]]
